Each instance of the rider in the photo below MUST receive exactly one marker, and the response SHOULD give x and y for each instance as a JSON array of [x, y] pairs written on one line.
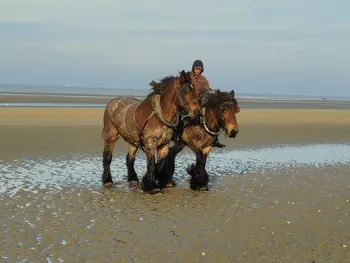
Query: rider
[[201, 84], [198, 80]]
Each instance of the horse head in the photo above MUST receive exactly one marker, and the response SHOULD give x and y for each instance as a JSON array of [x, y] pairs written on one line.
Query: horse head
[[227, 111], [186, 99], [225, 105]]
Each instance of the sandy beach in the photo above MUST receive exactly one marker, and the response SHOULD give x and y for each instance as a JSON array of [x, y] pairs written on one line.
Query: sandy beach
[[37, 131], [282, 214]]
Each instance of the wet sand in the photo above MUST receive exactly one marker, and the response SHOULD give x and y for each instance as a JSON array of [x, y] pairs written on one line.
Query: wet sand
[[53, 99], [294, 215], [290, 214], [60, 131]]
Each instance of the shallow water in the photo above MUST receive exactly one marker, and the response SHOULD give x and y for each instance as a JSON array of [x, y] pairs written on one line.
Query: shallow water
[[85, 171], [50, 104]]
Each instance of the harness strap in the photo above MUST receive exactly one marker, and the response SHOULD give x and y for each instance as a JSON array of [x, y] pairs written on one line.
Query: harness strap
[[140, 141]]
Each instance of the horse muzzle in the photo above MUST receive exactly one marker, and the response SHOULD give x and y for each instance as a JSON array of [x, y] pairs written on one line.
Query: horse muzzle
[[194, 113], [232, 133]]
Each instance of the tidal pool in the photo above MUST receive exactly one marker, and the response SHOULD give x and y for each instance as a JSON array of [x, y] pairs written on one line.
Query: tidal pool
[[86, 171]]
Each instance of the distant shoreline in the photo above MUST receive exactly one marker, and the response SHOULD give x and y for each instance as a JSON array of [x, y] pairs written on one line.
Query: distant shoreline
[[14, 99], [53, 91]]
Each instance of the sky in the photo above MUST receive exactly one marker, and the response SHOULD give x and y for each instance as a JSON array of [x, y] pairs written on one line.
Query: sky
[[252, 46]]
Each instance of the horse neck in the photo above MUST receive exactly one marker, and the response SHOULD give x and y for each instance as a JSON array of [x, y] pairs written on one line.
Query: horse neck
[[167, 102], [212, 119]]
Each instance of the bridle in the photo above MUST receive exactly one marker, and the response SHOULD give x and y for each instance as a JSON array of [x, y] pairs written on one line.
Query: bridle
[[205, 126], [184, 101]]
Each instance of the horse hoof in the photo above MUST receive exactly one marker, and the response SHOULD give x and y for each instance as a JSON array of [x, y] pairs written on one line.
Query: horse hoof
[[108, 185], [171, 184], [155, 192], [199, 188], [134, 184], [148, 185]]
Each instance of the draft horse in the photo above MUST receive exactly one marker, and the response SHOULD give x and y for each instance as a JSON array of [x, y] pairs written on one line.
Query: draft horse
[[147, 124], [219, 111]]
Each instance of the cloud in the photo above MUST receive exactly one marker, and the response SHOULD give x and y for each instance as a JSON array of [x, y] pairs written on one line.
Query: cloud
[[111, 38]]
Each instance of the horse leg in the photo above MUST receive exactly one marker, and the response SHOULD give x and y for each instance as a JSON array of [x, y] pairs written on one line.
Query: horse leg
[[130, 160], [199, 176], [107, 159], [110, 137], [166, 167], [161, 170], [148, 181]]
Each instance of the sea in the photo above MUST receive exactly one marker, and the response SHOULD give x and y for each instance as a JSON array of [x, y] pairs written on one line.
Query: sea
[[250, 100]]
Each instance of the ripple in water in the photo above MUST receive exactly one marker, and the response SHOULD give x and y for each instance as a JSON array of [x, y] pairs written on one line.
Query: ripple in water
[[83, 171]]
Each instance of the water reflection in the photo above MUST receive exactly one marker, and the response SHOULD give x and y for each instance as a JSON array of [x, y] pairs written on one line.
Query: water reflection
[[85, 171]]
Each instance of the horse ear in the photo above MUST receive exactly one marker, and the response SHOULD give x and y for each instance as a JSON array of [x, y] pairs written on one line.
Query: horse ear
[[232, 93], [182, 76], [238, 109], [205, 94]]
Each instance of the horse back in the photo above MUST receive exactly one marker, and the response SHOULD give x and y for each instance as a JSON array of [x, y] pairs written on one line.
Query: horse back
[[121, 110]]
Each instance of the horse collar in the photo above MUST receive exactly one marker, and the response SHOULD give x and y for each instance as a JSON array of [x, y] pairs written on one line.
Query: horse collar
[[157, 109], [206, 128]]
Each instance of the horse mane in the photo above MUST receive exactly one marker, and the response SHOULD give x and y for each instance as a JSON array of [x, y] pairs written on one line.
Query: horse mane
[[214, 99], [158, 87]]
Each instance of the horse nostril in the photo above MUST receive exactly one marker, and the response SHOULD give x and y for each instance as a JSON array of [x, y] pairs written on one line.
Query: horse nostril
[[233, 133]]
